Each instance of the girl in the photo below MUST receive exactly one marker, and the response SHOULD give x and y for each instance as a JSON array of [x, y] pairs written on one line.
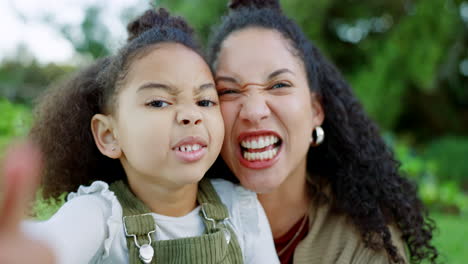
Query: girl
[[147, 122]]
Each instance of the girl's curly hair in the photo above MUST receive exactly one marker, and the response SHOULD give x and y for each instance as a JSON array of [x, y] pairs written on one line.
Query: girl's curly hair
[[354, 160], [62, 126]]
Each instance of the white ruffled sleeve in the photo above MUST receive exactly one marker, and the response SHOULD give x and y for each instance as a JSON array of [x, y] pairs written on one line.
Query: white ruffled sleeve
[[84, 228], [249, 221]]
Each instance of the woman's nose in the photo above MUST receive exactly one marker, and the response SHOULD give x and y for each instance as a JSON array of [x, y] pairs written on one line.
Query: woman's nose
[[254, 108]]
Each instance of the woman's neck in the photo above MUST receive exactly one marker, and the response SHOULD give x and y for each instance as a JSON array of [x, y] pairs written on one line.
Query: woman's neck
[[170, 201], [288, 203]]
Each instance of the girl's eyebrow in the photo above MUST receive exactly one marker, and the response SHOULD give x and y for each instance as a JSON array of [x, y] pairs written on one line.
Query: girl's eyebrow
[[204, 87], [153, 85]]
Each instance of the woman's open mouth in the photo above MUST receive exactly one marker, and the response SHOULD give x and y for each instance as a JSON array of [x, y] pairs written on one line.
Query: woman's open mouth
[[259, 151]]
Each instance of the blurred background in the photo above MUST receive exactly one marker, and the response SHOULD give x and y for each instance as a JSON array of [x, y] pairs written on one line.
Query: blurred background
[[407, 61]]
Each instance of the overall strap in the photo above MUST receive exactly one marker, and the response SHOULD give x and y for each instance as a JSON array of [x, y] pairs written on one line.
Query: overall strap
[[216, 216], [138, 223], [212, 210]]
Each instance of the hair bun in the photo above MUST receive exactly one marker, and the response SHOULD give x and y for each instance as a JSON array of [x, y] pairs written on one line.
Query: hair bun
[[156, 19], [272, 4]]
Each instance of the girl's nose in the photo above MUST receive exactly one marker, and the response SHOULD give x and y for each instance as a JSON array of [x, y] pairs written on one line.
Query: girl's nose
[[189, 116]]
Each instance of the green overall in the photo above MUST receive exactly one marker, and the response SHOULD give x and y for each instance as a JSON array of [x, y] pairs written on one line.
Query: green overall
[[218, 244]]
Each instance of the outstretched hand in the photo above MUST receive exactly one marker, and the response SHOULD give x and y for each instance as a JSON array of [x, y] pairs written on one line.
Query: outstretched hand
[[20, 177]]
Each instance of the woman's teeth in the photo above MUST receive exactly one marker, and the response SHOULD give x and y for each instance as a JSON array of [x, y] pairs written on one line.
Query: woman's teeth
[[259, 142], [252, 148], [265, 155], [189, 148]]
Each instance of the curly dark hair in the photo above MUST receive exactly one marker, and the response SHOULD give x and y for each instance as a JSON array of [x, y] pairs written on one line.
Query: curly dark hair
[[62, 126], [353, 162]]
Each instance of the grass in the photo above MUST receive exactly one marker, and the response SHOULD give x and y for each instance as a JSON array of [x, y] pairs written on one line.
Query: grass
[[451, 238]]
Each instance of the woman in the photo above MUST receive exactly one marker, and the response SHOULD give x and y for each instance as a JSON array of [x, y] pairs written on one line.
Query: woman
[[296, 135]]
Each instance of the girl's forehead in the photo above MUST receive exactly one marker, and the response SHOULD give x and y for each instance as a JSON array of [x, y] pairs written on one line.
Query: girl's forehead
[[170, 64]]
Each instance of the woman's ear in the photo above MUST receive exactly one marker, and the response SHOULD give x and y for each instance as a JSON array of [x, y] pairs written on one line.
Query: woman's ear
[[318, 115], [104, 136]]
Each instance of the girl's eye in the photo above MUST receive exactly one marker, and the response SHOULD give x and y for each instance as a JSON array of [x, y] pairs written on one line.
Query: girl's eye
[[279, 85], [158, 104], [206, 103]]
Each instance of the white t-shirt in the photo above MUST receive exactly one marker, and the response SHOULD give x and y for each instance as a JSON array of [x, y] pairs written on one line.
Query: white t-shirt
[[88, 228]]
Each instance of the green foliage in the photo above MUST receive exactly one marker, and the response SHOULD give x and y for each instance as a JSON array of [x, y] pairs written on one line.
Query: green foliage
[[438, 193], [450, 155], [450, 238], [43, 209], [409, 57], [93, 40], [15, 122], [24, 81], [202, 14]]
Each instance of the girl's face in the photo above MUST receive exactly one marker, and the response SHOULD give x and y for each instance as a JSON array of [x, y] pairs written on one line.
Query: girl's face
[[269, 112], [168, 123]]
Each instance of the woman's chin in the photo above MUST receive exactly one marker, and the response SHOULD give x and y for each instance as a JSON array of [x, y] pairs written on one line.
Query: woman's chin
[[259, 184]]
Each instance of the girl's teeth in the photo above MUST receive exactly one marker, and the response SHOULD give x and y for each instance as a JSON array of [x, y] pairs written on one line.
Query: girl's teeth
[[189, 148]]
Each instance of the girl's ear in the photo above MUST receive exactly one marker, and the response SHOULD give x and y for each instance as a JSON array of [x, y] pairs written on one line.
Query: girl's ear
[[318, 114], [104, 137]]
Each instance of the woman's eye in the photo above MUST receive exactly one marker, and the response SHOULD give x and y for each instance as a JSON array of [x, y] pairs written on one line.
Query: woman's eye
[[206, 103], [227, 91], [158, 104], [279, 85]]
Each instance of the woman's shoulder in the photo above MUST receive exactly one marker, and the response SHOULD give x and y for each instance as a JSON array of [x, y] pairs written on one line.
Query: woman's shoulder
[[333, 238]]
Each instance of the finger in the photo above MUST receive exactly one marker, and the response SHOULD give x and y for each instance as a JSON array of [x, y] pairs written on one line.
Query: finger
[[13, 249], [21, 171]]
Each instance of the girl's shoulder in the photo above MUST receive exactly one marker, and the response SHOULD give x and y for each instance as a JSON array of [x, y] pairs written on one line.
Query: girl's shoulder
[[249, 222], [100, 195], [97, 194], [96, 188], [90, 220]]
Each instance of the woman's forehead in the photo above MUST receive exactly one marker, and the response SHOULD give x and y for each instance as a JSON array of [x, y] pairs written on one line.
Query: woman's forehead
[[256, 51]]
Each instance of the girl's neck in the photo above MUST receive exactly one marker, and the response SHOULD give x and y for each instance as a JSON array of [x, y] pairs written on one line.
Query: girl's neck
[[288, 203], [173, 201]]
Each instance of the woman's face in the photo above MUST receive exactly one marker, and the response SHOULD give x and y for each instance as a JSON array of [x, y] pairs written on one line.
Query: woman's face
[[269, 112]]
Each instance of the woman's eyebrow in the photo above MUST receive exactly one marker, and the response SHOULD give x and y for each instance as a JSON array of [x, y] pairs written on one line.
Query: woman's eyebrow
[[278, 72], [225, 79]]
